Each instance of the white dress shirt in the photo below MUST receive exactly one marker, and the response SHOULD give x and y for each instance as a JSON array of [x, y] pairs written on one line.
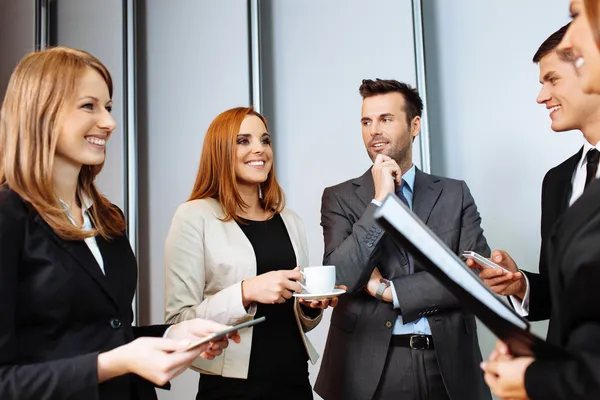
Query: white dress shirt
[[577, 187], [87, 226]]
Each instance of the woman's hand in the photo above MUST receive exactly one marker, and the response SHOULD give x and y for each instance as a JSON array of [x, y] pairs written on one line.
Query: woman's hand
[[155, 359], [198, 328], [505, 374], [323, 304], [271, 287]]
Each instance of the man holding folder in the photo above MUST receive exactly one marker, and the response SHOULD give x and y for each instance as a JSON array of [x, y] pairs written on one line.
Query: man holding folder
[[569, 257]]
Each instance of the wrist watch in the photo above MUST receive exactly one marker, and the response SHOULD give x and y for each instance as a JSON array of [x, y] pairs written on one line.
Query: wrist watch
[[383, 284]]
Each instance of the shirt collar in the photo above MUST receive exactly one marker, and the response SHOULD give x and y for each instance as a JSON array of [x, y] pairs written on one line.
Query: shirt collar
[[587, 146], [87, 203], [409, 177]]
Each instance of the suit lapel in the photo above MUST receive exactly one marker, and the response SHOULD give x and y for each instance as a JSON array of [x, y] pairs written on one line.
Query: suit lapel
[[365, 192], [574, 218], [116, 263], [81, 253], [292, 229], [366, 187], [563, 184], [426, 193]]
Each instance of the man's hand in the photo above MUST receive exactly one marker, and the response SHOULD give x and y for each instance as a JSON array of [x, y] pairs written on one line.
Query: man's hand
[[505, 375], [373, 285], [501, 351], [500, 282], [386, 175]]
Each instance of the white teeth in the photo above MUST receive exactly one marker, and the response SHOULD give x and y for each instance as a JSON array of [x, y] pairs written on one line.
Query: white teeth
[[579, 62], [379, 144], [93, 140], [256, 163], [555, 108]]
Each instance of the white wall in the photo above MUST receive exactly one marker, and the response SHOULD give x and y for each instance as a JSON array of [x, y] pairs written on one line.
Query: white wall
[[315, 57], [193, 59], [17, 31], [486, 127], [97, 27]]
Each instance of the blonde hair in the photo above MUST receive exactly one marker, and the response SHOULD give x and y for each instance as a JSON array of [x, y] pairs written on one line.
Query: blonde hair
[[39, 88]]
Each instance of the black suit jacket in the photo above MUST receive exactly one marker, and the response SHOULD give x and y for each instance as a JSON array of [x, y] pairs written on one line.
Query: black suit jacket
[[58, 311], [361, 326], [556, 192], [573, 256]]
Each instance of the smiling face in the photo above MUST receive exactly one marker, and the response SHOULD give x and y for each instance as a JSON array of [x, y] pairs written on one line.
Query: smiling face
[[579, 39], [569, 107], [385, 129], [254, 154], [86, 123]]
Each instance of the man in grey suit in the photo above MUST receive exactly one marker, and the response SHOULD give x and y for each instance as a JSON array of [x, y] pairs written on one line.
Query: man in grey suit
[[404, 337]]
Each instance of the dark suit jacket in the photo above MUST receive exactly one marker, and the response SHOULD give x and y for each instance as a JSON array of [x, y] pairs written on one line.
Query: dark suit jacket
[[361, 326], [573, 254], [556, 192], [58, 311]]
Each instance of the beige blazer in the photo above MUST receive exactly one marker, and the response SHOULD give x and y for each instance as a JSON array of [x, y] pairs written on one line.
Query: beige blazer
[[206, 260]]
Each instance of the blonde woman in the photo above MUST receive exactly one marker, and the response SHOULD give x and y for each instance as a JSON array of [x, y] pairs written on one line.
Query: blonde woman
[[67, 272]]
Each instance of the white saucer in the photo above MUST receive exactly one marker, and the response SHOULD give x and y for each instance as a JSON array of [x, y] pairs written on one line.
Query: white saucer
[[319, 296]]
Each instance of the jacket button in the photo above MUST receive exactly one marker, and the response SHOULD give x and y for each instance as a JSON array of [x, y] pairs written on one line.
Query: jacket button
[[115, 323], [388, 324]]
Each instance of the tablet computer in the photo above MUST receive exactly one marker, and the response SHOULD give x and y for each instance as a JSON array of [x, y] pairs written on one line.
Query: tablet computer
[[225, 332]]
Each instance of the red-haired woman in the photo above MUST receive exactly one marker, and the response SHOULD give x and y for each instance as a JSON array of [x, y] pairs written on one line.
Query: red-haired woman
[[233, 253]]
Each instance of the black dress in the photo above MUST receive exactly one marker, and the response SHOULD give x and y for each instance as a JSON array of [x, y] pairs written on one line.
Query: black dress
[[278, 360]]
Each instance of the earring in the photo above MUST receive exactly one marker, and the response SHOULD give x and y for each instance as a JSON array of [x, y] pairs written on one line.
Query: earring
[[260, 192]]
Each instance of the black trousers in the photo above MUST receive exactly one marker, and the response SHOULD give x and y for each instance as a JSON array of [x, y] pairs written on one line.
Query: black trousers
[[411, 375], [213, 387]]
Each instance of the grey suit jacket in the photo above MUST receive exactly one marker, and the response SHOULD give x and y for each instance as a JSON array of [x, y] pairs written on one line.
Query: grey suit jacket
[[361, 326]]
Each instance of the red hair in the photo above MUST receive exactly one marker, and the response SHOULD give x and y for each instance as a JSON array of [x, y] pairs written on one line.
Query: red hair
[[216, 174], [591, 9]]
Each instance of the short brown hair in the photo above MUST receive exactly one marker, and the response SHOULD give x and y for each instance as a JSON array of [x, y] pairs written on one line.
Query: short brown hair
[[39, 88], [413, 105], [216, 174], [550, 44]]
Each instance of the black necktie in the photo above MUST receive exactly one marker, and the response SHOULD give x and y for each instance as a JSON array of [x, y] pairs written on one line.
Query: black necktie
[[405, 201], [592, 166]]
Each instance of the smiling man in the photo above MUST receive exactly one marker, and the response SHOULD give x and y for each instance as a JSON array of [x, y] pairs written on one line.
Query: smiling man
[[404, 337], [570, 109], [564, 289]]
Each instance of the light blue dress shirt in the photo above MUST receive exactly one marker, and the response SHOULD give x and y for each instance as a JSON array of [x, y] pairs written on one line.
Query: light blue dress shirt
[[420, 326]]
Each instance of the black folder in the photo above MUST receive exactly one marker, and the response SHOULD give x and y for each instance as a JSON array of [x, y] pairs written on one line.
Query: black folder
[[411, 233]]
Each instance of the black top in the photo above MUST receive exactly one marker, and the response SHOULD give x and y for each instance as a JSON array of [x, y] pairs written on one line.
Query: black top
[[277, 347]]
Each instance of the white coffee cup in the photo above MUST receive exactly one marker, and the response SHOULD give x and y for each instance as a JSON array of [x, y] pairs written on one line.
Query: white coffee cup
[[319, 279]]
